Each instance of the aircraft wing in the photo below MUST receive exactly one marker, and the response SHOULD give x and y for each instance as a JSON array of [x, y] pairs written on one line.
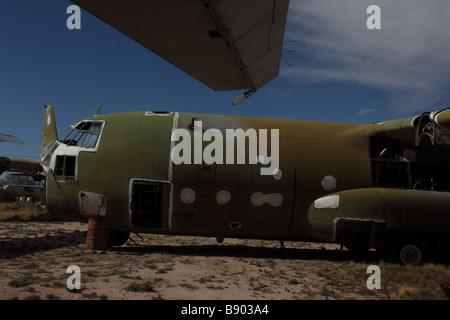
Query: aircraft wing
[[429, 128], [9, 138], [225, 44], [28, 167]]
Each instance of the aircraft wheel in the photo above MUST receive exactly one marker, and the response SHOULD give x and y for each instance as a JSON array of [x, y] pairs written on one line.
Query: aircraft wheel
[[404, 250], [117, 237], [410, 254]]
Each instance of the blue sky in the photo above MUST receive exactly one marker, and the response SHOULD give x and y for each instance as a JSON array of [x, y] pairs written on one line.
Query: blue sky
[[339, 70]]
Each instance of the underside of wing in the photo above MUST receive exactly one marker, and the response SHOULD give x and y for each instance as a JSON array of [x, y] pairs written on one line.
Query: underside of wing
[[225, 44]]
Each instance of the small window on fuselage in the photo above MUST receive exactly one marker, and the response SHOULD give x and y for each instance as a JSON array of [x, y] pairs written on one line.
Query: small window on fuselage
[[65, 166], [59, 165], [69, 166]]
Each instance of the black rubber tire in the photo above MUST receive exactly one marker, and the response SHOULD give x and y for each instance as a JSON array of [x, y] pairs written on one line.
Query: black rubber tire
[[411, 253], [406, 250]]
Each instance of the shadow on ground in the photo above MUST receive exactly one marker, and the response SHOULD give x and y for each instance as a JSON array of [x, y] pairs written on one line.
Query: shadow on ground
[[253, 252], [15, 247]]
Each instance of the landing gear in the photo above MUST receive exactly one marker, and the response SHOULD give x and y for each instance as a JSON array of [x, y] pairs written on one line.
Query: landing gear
[[410, 254], [117, 238], [407, 250]]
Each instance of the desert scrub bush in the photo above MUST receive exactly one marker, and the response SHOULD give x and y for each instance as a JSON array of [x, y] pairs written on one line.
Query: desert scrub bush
[[146, 286]]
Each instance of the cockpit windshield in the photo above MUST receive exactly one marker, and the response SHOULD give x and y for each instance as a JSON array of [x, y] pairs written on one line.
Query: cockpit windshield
[[85, 134]]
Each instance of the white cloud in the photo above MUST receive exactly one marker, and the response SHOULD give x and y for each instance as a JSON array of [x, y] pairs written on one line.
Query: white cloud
[[409, 57], [363, 112]]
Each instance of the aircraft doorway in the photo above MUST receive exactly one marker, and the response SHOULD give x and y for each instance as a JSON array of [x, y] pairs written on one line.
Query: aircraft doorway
[[149, 204]]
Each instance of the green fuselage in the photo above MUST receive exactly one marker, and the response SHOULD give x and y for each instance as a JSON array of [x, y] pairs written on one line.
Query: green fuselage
[[134, 149]]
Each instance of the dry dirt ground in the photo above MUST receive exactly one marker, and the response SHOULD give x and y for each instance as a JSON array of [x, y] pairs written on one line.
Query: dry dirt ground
[[35, 255]]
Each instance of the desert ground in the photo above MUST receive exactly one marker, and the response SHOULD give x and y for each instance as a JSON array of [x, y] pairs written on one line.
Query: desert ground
[[35, 253]]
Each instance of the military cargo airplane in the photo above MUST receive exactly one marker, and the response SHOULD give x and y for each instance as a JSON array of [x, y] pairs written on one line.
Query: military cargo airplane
[[378, 186], [383, 186]]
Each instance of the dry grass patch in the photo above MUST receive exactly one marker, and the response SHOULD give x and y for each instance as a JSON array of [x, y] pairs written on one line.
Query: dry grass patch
[[25, 280], [146, 286], [161, 268], [14, 212], [426, 282]]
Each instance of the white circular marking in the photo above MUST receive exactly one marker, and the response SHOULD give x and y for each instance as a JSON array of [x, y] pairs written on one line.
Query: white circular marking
[[260, 159], [258, 199], [277, 174], [274, 199], [328, 183], [223, 197], [187, 195]]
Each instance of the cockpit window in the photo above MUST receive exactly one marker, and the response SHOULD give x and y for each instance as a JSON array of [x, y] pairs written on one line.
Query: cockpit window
[[85, 134]]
